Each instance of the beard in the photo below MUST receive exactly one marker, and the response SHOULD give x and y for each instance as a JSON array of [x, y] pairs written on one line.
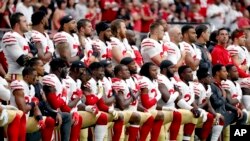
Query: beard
[[133, 72], [235, 79], [132, 42], [108, 74], [46, 26], [122, 35], [169, 74], [106, 38], [72, 31]]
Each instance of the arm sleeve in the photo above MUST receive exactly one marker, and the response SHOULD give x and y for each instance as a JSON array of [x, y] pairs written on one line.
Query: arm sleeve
[[91, 99], [102, 106], [146, 102]]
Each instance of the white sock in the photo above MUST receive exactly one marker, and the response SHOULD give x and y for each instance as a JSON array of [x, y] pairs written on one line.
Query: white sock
[[186, 138], [216, 131], [184, 105], [245, 100], [100, 131]]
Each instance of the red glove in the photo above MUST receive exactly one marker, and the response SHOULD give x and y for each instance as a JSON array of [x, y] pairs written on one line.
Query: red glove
[[77, 94], [35, 100], [75, 118]]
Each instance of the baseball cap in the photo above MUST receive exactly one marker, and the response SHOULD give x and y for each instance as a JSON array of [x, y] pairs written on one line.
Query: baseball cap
[[105, 63], [64, 20], [77, 64], [102, 26], [202, 73]]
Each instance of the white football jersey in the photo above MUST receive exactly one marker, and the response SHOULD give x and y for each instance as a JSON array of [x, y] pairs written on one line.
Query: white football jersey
[[162, 79], [201, 92], [174, 52], [61, 87], [150, 48], [234, 89], [47, 44], [88, 50], [72, 86], [187, 91], [240, 52], [152, 87], [72, 40], [195, 53], [14, 45], [28, 90], [107, 84], [121, 85], [103, 48], [184, 46], [94, 85], [123, 46]]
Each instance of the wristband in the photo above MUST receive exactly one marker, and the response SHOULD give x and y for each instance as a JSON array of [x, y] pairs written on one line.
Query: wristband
[[39, 117]]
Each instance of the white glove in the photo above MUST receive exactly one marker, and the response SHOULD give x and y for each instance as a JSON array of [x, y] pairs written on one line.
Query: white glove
[[92, 109], [114, 113], [9, 107], [158, 97], [203, 115], [4, 117], [169, 108]]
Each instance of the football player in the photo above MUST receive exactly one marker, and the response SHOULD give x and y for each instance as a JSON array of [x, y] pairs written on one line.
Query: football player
[[23, 97], [15, 47]]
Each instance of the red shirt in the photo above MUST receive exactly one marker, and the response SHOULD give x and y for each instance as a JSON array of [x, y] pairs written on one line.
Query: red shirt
[[145, 24], [221, 56], [108, 15]]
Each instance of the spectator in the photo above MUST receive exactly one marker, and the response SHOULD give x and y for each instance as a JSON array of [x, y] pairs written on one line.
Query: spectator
[[81, 9], [216, 14], [6, 10], [71, 8], [134, 9], [244, 22], [25, 8], [58, 14], [194, 15], [109, 10], [147, 16], [94, 14]]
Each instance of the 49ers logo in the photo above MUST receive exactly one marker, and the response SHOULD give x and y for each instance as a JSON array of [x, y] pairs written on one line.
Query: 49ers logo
[[187, 97], [27, 99]]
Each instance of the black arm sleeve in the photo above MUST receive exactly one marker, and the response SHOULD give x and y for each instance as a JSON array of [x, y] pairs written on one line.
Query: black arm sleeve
[[22, 60]]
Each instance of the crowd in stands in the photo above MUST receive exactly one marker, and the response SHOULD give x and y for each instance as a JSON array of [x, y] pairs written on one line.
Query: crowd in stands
[[95, 79], [137, 14]]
